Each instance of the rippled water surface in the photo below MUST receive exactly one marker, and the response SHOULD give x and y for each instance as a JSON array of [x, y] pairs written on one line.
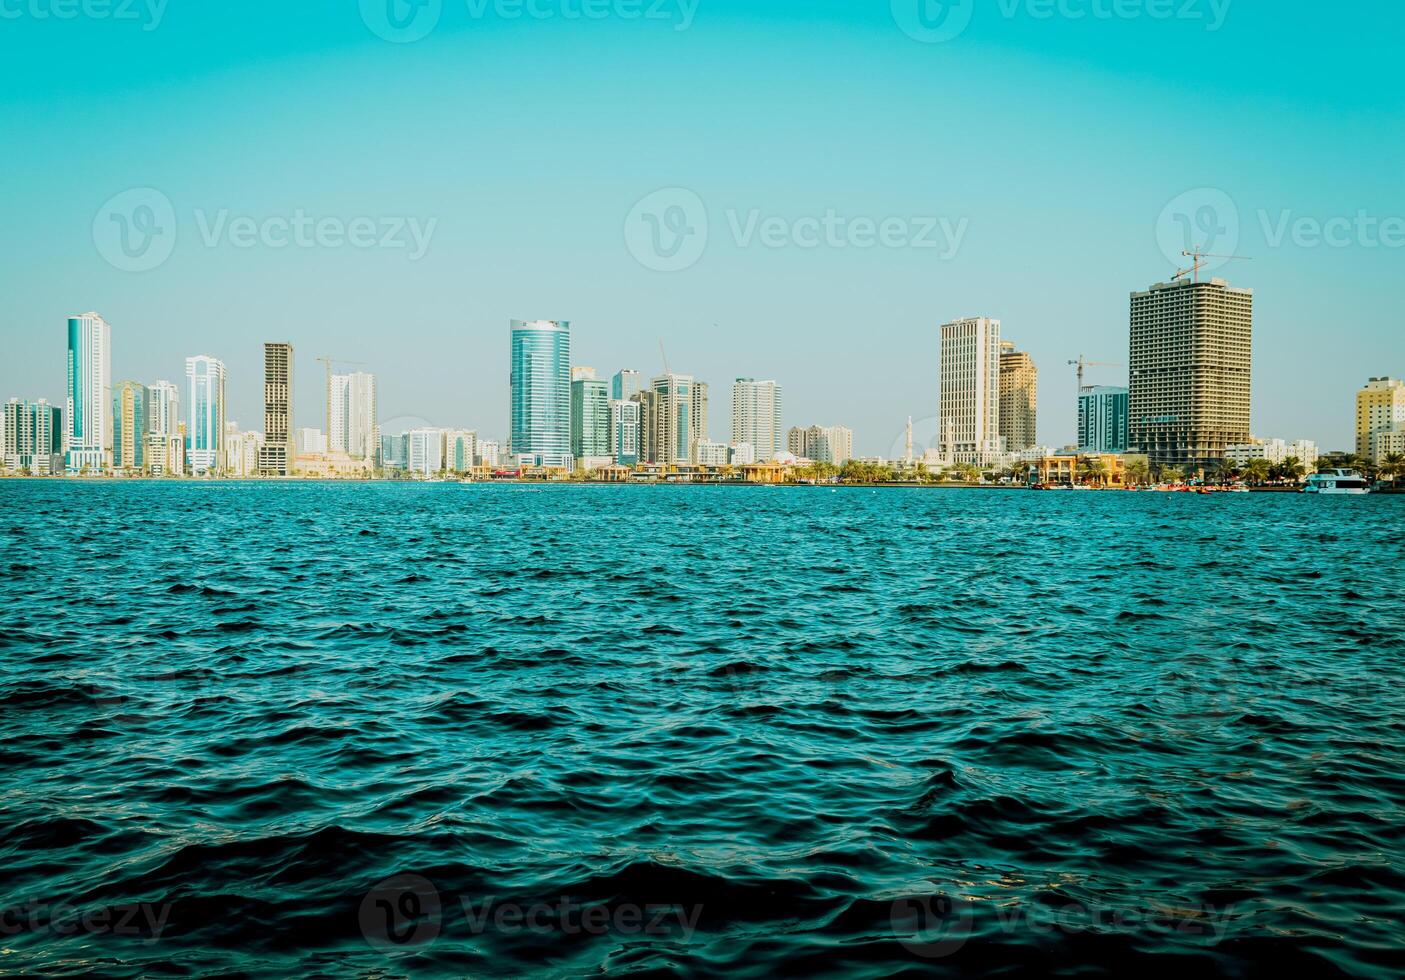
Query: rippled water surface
[[382, 730]]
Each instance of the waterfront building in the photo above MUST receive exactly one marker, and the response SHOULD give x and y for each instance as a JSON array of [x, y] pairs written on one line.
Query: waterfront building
[[1019, 399], [681, 418], [129, 426], [625, 385], [756, 416], [624, 432], [31, 437], [1102, 419], [590, 415], [310, 441], [1191, 363], [351, 416], [163, 411], [460, 450], [87, 443], [425, 451], [1385, 442], [395, 452], [712, 453], [278, 452], [241, 452], [540, 391], [489, 453], [648, 401], [969, 418], [205, 429], [1066, 469], [1274, 452], [821, 444], [742, 454], [1380, 404]]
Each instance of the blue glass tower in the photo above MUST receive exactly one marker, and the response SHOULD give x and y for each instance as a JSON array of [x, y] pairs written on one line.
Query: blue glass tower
[[541, 391]]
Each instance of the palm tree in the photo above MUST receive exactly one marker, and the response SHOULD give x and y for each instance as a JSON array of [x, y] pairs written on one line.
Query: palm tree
[[1138, 470], [1172, 474], [1292, 469], [1257, 471], [1229, 469], [1093, 470], [1393, 465]]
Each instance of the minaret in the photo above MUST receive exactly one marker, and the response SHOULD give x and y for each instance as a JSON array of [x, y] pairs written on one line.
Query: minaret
[[909, 440]]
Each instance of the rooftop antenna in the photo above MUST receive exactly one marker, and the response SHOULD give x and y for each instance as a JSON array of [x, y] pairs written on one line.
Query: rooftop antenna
[[664, 356]]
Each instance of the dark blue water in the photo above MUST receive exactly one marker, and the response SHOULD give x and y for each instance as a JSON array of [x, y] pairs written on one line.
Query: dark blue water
[[386, 730]]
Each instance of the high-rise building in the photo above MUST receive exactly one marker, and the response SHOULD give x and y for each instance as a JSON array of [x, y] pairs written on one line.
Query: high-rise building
[[823, 444], [540, 402], [756, 416], [1191, 360], [1380, 405], [590, 415], [625, 385], [681, 418], [648, 401], [205, 429], [1019, 399], [277, 454], [1102, 419], [425, 450], [87, 443], [129, 426], [310, 441], [395, 452], [624, 431], [31, 437], [489, 453], [241, 452], [460, 450], [969, 420], [351, 416], [163, 409]]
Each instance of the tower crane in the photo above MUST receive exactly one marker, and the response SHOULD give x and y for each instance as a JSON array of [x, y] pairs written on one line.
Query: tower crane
[[1083, 364], [1197, 265]]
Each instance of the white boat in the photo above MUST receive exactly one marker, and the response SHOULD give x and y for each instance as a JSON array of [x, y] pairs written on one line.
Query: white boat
[[1338, 482]]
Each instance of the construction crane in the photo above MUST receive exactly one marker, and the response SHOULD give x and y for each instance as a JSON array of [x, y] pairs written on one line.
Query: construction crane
[[328, 361], [1084, 364], [1196, 266]]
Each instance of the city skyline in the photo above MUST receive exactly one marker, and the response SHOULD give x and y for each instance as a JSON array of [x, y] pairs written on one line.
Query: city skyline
[[845, 328]]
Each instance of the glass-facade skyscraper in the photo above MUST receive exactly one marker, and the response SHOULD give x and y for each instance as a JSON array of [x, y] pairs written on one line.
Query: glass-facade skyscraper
[[1102, 419], [540, 399], [590, 418], [130, 424], [205, 426], [87, 441]]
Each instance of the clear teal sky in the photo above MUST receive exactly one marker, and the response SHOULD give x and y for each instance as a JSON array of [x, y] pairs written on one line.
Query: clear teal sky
[[1055, 141]]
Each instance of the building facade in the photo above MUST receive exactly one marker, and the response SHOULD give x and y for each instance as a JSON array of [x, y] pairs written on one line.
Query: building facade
[[1019, 399], [756, 416], [1102, 419], [425, 451], [1274, 452], [87, 443], [680, 418], [460, 450], [277, 454], [969, 418], [624, 432], [206, 419], [822, 444], [590, 415], [241, 452], [540, 391], [351, 416], [1191, 363], [1380, 404], [129, 426], [625, 385], [31, 437], [648, 401]]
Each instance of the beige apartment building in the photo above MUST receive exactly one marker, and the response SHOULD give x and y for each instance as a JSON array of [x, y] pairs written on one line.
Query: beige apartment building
[[1019, 399], [1191, 367], [277, 455], [970, 390], [1380, 406]]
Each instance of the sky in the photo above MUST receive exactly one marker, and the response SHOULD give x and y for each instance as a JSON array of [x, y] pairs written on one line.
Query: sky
[[766, 189]]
